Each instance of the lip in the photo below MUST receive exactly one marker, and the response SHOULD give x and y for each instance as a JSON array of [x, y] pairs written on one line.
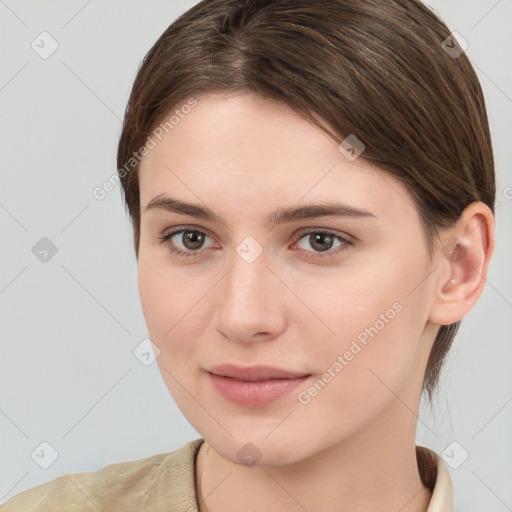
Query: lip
[[254, 386]]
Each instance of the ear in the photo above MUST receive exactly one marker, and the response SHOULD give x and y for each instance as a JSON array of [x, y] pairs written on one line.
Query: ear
[[463, 259]]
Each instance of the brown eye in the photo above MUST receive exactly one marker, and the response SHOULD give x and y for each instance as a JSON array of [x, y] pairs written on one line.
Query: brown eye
[[192, 240], [184, 242], [323, 242]]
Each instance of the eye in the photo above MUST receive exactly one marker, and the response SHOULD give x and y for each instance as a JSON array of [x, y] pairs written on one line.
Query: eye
[[322, 242], [191, 241]]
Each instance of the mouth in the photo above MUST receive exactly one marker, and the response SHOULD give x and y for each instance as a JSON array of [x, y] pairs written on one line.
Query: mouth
[[255, 386], [255, 373]]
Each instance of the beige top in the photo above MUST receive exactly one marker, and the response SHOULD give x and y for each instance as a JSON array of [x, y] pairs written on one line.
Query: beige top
[[160, 483]]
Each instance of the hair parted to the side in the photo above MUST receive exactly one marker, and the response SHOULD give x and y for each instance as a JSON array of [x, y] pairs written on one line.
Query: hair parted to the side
[[372, 68]]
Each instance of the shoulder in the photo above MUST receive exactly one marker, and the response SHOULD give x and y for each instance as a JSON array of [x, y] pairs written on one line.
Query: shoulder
[[123, 486]]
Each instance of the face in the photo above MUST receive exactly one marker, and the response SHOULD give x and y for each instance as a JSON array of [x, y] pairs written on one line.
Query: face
[[339, 300]]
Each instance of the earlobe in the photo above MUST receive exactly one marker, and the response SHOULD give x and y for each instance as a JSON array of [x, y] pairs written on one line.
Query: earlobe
[[463, 257]]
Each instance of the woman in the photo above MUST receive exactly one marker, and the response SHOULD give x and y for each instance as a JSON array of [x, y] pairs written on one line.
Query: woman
[[311, 187]]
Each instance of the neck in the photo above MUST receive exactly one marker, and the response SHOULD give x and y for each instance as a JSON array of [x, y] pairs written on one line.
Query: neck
[[374, 469]]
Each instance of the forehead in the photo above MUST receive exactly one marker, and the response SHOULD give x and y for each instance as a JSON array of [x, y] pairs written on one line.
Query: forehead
[[243, 151]]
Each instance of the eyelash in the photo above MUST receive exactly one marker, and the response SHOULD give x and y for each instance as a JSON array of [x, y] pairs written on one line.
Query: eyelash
[[164, 240]]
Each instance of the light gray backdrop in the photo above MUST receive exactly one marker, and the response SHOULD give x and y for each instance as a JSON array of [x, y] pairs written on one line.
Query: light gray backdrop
[[71, 319]]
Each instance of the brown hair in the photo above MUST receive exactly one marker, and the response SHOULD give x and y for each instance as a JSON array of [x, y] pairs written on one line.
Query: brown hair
[[373, 68]]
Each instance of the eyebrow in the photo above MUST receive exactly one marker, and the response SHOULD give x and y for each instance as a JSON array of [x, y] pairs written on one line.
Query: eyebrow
[[279, 216]]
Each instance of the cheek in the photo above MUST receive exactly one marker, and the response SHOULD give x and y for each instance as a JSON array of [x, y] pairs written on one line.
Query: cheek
[[377, 325], [350, 300], [167, 308], [154, 297], [161, 301], [172, 302], [166, 293]]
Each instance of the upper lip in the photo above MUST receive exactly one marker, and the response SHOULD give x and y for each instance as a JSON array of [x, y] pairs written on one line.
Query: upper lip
[[254, 373]]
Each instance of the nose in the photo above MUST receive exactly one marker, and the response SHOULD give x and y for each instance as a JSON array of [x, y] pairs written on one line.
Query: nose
[[251, 302]]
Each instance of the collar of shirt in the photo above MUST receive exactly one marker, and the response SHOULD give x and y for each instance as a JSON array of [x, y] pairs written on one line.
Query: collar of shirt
[[442, 490]]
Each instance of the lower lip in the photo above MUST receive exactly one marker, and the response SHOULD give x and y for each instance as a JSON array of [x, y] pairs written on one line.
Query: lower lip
[[256, 393]]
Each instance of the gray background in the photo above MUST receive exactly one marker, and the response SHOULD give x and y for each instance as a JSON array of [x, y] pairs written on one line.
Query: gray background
[[69, 376]]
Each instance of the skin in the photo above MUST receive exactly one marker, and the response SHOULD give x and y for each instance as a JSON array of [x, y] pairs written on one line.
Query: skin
[[352, 447]]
